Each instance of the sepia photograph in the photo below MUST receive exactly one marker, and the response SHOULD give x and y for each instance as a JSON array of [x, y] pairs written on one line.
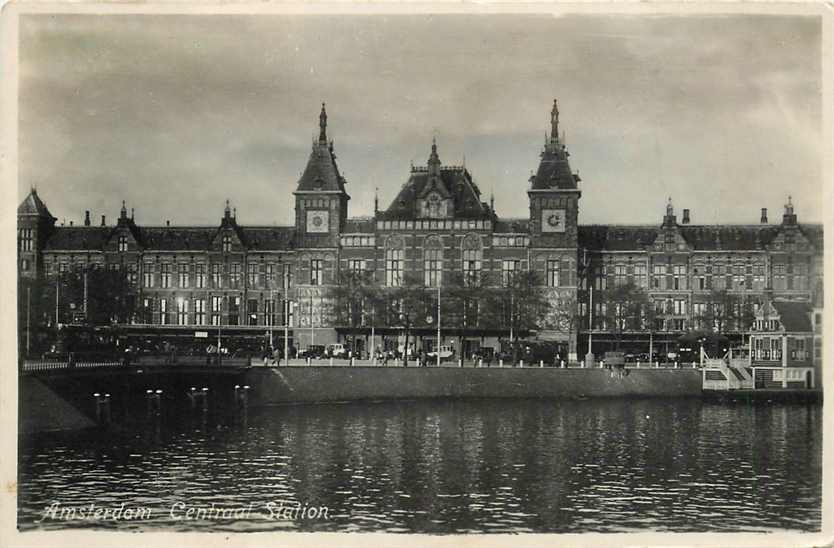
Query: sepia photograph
[[421, 272]]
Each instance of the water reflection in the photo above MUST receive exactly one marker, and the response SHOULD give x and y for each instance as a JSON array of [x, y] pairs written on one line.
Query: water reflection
[[452, 466]]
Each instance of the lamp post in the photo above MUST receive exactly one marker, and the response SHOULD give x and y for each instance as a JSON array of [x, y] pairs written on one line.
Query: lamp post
[[438, 323], [286, 283]]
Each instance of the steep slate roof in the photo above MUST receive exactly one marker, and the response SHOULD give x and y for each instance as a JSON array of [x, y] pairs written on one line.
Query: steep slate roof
[[699, 237], [795, 316], [814, 233], [78, 238], [321, 172], [517, 226], [177, 238], [465, 195], [554, 169], [33, 205], [269, 238], [728, 237], [617, 237], [359, 225]]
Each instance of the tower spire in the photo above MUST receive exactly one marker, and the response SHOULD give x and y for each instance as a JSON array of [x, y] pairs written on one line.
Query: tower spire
[[124, 210], [323, 125], [434, 160], [376, 200], [227, 212], [554, 120]]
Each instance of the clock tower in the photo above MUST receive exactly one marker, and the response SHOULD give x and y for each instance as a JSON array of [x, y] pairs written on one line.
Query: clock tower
[[554, 214], [320, 198], [553, 195]]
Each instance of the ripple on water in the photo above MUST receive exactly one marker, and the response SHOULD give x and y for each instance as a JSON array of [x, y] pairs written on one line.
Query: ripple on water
[[492, 466]]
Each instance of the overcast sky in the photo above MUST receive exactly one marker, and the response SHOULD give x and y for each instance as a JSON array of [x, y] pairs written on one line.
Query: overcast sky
[[174, 114]]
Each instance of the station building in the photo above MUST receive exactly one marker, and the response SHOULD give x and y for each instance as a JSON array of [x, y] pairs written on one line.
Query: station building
[[266, 282]]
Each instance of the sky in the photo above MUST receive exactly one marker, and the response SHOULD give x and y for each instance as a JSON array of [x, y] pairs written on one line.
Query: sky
[[176, 114]]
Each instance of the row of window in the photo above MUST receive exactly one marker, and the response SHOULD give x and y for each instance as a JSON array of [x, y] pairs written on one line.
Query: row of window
[[440, 224], [358, 241], [223, 310]]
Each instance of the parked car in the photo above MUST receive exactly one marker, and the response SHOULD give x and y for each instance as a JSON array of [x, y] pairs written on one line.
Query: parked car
[[446, 353], [314, 351], [337, 350]]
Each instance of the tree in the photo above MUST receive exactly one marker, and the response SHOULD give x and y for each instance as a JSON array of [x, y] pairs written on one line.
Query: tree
[[627, 308], [519, 305], [355, 301], [726, 312], [407, 306], [109, 297]]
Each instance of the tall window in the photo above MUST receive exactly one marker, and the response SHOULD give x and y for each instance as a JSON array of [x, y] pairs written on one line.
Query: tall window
[[357, 266], [122, 243], [132, 274], [147, 275], [471, 266], [234, 275], [640, 276], [433, 267], [552, 273], [200, 276], [216, 309], [508, 271], [183, 275], [316, 272], [234, 310], [26, 239], [679, 277], [165, 275], [217, 276], [252, 274], [658, 276], [680, 307], [227, 243], [779, 277], [163, 311], [182, 311], [620, 277], [252, 312], [269, 312], [270, 275], [199, 311], [393, 267]]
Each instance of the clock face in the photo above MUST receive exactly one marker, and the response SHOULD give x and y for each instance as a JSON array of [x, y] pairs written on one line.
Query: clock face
[[553, 220], [317, 221]]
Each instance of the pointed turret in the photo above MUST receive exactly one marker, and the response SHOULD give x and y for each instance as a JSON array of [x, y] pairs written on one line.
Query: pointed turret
[[434, 159], [789, 218], [554, 170], [323, 125], [32, 205], [669, 219]]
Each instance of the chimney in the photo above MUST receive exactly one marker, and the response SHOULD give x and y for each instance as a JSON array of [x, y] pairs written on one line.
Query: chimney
[[685, 220], [764, 216], [71, 222], [167, 223], [87, 218], [103, 222]]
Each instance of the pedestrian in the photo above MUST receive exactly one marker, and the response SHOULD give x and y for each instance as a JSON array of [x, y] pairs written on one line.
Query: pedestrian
[[276, 358], [488, 359]]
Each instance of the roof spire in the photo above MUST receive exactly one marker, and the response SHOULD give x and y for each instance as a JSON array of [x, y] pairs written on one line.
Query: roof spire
[[492, 199], [434, 160], [554, 120], [124, 210], [669, 209], [376, 200], [323, 125], [789, 207], [227, 212]]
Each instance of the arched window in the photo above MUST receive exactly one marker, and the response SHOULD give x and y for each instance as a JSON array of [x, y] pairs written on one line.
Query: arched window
[[433, 262]]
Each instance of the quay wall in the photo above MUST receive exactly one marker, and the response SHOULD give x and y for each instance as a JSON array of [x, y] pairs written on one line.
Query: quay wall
[[329, 384]]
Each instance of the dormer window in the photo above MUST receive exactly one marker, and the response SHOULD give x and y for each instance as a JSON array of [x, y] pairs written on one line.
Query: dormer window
[[227, 243], [122, 243]]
